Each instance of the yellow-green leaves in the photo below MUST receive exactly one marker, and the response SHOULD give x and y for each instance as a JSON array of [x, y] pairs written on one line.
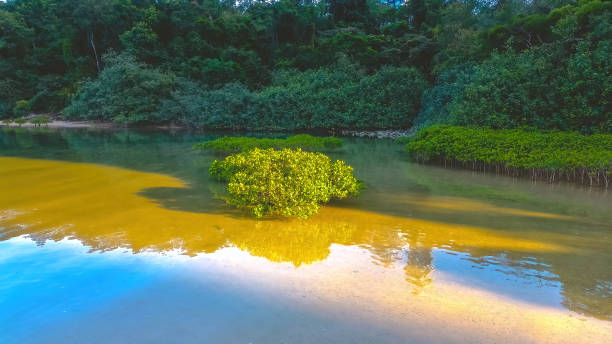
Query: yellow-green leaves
[[288, 182]]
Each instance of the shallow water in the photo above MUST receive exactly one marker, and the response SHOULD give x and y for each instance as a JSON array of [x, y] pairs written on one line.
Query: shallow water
[[119, 236]]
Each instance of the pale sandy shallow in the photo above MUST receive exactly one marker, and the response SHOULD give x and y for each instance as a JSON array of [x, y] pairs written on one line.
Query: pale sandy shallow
[[381, 134], [63, 124], [85, 124], [231, 297], [348, 286]]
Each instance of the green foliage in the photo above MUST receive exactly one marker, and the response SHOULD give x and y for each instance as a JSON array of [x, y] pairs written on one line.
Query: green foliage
[[518, 151], [563, 85], [228, 107], [457, 35], [22, 107], [126, 91], [50, 96], [541, 87], [20, 121], [284, 182], [40, 120], [4, 109], [239, 144], [437, 99], [302, 100], [140, 41], [342, 97], [348, 10], [290, 65], [14, 33], [215, 71], [7, 121], [389, 98], [522, 32]]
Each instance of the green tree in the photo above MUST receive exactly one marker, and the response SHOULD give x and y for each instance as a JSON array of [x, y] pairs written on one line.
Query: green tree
[[22, 107], [140, 41], [126, 91]]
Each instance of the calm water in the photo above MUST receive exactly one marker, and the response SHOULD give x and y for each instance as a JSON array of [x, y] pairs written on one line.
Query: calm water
[[119, 236]]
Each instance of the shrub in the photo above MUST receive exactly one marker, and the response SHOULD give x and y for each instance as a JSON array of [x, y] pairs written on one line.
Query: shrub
[[341, 96], [539, 154], [284, 182], [239, 144], [22, 107], [227, 107], [51, 95], [7, 121], [317, 98], [40, 120], [389, 98], [338, 96], [436, 100], [20, 121], [126, 91]]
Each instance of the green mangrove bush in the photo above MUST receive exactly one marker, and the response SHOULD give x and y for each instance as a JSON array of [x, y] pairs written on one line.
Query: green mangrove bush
[[20, 121], [538, 154], [288, 182], [239, 144], [40, 120]]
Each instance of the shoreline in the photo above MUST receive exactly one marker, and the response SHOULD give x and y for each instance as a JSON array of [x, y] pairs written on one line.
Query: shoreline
[[379, 134], [58, 124]]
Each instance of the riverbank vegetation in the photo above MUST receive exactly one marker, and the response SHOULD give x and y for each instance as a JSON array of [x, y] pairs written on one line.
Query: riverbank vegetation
[[288, 182], [286, 65], [540, 155], [37, 121], [40, 120], [307, 142]]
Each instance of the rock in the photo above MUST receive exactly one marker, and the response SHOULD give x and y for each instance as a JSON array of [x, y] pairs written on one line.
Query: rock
[[379, 134]]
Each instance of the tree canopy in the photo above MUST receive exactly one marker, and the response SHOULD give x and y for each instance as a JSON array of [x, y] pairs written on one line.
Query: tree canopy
[[310, 64]]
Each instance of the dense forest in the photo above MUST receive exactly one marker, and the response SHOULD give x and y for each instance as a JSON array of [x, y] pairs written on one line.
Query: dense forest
[[297, 65]]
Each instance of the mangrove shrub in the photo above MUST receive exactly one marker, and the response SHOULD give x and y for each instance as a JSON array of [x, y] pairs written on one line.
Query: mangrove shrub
[[41, 120], [288, 182], [240, 144], [539, 154], [20, 121]]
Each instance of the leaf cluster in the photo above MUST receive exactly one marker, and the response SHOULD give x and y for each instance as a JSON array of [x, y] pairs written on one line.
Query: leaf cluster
[[287, 182], [40, 120], [552, 151]]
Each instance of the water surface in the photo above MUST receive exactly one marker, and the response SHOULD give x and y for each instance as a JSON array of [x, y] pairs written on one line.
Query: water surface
[[120, 236]]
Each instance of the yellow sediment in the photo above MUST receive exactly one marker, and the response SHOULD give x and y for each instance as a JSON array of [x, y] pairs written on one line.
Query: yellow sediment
[[101, 206], [455, 204]]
